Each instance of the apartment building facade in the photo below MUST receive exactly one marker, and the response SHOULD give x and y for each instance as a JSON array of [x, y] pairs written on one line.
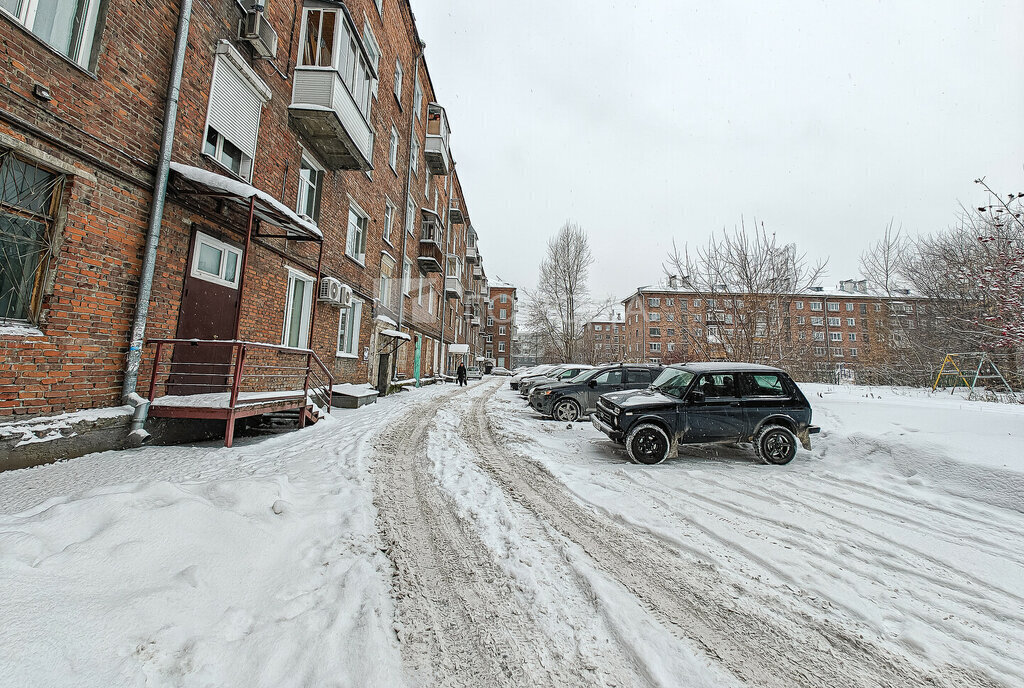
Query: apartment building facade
[[604, 340], [501, 324], [311, 204], [844, 333]]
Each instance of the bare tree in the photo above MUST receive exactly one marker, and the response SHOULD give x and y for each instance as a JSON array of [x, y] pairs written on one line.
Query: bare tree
[[560, 306], [745, 280]]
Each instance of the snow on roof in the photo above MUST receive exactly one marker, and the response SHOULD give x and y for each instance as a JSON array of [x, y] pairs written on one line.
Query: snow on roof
[[500, 283], [853, 288], [386, 320], [396, 334], [243, 190]]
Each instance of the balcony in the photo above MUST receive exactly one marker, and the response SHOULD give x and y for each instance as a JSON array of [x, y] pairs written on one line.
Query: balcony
[[478, 271], [455, 212], [431, 258], [453, 287], [330, 105], [435, 152], [471, 254]]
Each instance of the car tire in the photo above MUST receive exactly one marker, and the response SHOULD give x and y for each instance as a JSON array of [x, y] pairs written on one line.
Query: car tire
[[648, 444], [775, 444], [566, 410]]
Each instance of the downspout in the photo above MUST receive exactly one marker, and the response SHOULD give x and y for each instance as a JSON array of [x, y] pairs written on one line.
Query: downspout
[[408, 190], [138, 435]]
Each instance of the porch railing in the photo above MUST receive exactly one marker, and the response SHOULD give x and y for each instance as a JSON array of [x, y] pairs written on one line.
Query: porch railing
[[247, 372]]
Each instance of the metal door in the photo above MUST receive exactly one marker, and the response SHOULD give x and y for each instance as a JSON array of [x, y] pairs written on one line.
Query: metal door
[[209, 309], [719, 415]]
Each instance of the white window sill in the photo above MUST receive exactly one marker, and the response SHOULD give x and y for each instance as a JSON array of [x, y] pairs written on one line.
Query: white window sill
[[343, 354], [19, 329]]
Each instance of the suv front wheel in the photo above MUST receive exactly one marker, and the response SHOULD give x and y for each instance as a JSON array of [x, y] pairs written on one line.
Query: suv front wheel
[[648, 444], [566, 410], [775, 444]]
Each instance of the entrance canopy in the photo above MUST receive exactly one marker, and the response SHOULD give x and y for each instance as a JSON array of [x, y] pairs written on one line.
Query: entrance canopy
[[194, 181], [458, 349]]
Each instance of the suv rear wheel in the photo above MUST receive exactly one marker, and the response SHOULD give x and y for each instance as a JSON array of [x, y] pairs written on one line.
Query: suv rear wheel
[[775, 444], [566, 410], [648, 444]]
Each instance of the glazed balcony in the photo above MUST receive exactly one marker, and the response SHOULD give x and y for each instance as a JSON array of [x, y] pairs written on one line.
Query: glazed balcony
[[331, 98], [431, 258], [453, 287], [456, 212], [435, 152], [471, 254]]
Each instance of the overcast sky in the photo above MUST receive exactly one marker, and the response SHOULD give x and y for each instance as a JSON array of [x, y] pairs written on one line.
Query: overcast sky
[[651, 121]]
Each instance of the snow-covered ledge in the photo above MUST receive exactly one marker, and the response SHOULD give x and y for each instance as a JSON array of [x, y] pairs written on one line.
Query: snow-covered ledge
[[16, 329]]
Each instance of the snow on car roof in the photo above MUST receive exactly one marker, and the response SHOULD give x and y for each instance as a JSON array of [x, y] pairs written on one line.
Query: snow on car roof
[[726, 366]]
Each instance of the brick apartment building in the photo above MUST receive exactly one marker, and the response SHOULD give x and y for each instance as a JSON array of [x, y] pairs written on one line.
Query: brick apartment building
[[604, 339], [843, 333], [501, 324], [312, 202]]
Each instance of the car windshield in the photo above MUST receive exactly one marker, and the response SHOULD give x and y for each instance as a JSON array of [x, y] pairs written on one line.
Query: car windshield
[[673, 382]]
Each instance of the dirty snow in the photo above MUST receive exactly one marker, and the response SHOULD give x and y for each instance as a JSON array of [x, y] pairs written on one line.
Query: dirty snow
[[46, 428]]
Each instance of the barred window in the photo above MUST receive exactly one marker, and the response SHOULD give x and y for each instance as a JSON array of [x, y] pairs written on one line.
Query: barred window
[[29, 196]]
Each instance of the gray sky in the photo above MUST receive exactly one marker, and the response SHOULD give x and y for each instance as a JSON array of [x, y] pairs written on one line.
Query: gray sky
[[652, 121]]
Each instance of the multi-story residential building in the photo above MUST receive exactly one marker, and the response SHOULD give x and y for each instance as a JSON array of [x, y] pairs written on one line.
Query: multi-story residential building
[[844, 333], [604, 339], [501, 324], [276, 183]]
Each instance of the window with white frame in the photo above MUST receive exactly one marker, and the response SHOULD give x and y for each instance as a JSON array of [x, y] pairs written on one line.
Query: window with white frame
[[329, 40], [407, 277], [835, 336], [502, 313], [815, 305], [653, 302], [389, 218], [414, 157], [799, 305], [373, 51], [410, 215], [654, 331], [490, 321], [833, 306], [655, 346], [348, 330], [215, 261], [297, 310], [852, 322], [819, 336], [501, 347], [355, 243], [387, 281], [501, 330], [853, 336], [311, 181], [67, 26], [834, 322], [817, 321], [670, 302], [396, 88], [696, 303], [237, 96], [393, 150], [853, 352], [837, 351], [849, 306], [801, 320], [380, 7], [654, 317], [430, 302], [819, 351]]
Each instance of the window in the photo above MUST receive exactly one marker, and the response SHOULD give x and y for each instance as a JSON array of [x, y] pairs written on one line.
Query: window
[[819, 351], [815, 305], [817, 321], [29, 197], [597, 328], [430, 302], [67, 26], [696, 303], [837, 351], [655, 346], [380, 7], [671, 317], [217, 262], [851, 322], [833, 306], [799, 305], [849, 307], [417, 99], [863, 309], [389, 218], [802, 336], [407, 277], [670, 302], [397, 86], [696, 317], [718, 385], [237, 96], [501, 347], [758, 385], [502, 313], [490, 321], [853, 352], [801, 320], [355, 243], [670, 332], [501, 330], [653, 303], [878, 308], [503, 298], [671, 346], [387, 280], [853, 336], [819, 336], [835, 336], [654, 317], [393, 150], [655, 332], [311, 180], [373, 51], [414, 157], [297, 310], [329, 40], [348, 330], [835, 322]]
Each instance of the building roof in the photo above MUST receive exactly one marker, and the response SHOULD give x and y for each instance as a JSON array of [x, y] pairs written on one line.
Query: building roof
[[853, 289]]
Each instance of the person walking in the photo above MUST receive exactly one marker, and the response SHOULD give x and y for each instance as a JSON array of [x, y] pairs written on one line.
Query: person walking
[[460, 374]]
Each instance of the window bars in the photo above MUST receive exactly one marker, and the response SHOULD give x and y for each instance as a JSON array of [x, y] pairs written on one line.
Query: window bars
[[29, 198]]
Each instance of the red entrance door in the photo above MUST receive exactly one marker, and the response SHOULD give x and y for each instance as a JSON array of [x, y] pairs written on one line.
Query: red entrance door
[[209, 307]]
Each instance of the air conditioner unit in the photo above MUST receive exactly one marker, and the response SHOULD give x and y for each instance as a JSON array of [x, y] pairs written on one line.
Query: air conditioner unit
[[345, 297], [255, 29], [330, 290]]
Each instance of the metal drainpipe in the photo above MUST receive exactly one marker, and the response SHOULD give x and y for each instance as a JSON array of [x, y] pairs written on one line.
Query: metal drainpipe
[[408, 192], [138, 332]]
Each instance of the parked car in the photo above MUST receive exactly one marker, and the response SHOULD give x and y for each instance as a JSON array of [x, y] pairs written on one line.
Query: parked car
[[499, 370], [536, 370], [473, 373], [571, 400], [561, 373], [697, 403]]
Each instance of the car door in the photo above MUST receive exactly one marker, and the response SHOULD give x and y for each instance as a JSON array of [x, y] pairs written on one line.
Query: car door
[[638, 378], [716, 414], [608, 381], [764, 394]]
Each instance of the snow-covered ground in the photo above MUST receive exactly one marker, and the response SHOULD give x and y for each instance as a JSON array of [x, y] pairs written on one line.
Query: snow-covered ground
[[449, 536]]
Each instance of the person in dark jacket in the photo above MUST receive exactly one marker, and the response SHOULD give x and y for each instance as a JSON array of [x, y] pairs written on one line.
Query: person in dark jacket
[[460, 375]]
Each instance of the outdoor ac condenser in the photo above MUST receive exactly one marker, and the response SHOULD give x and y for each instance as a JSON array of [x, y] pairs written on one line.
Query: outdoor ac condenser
[[255, 29], [330, 290]]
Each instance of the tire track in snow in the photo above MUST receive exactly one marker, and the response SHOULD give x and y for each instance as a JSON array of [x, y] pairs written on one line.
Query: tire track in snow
[[758, 639]]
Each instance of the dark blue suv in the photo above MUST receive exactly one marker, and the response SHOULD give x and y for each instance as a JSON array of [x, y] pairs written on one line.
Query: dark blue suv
[[698, 403]]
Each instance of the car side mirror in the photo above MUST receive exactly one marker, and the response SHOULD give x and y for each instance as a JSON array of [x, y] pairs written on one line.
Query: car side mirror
[[695, 397], [592, 383]]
